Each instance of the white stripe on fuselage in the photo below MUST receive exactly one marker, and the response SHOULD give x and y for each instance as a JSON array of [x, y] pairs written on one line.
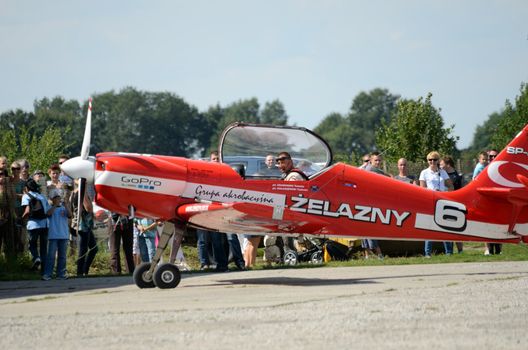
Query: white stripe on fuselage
[[140, 183], [473, 228], [181, 188], [232, 195]]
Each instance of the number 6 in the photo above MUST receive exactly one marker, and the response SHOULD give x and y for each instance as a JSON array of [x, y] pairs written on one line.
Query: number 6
[[450, 215]]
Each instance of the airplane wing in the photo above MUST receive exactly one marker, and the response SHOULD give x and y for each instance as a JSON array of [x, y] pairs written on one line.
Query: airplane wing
[[249, 218]]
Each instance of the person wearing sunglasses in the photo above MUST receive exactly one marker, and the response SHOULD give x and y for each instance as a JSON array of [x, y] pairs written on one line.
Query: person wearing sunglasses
[[492, 154], [436, 179], [365, 162], [289, 172]]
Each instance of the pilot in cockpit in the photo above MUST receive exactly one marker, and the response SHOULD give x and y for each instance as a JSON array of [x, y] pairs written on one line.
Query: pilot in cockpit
[[289, 173]]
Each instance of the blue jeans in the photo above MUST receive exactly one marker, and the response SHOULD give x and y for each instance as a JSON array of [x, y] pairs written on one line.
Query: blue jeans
[[34, 236], [203, 239], [147, 247], [234, 245], [56, 247], [448, 247], [87, 250]]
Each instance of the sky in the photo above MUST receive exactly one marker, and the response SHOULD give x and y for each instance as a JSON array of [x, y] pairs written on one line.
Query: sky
[[313, 56]]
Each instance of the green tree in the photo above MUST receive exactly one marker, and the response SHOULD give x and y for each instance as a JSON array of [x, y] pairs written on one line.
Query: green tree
[[240, 111], [146, 122], [213, 117], [415, 130], [353, 135], [514, 119], [40, 151], [336, 130], [484, 133], [368, 111], [66, 116], [12, 120], [273, 113]]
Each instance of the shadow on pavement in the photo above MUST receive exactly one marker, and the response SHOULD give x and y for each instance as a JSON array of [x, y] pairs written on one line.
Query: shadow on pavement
[[287, 281], [312, 282], [17, 289]]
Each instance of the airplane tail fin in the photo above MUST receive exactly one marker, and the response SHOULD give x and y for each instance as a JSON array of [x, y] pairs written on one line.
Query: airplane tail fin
[[500, 191], [510, 167]]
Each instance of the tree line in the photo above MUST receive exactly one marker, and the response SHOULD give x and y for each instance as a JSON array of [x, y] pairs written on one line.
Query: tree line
[[131, 120]]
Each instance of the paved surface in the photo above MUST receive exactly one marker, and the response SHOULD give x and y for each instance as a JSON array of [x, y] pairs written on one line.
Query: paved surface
[[447, 306]]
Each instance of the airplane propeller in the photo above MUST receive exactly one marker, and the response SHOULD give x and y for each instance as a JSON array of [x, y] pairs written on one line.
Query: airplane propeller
[[82, 167]]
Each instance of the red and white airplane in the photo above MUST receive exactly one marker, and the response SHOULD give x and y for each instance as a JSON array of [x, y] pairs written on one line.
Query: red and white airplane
[[337, 200]]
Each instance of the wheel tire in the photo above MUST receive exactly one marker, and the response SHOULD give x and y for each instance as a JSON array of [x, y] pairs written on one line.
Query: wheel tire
[[290, 258], [167, 276], [140, 276], [316, 258]]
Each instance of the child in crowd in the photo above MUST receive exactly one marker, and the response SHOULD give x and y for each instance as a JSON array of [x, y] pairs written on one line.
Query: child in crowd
[[58, 236]]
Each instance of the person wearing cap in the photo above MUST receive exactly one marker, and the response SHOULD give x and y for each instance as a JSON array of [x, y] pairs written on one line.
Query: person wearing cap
[[37, 228], [58, 236], [285, 165]]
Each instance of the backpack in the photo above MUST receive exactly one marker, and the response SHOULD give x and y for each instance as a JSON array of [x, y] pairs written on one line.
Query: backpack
[[36, 210]]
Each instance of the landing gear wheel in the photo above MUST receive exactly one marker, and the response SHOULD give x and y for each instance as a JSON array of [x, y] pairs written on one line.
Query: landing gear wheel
[[140, 276], [167, 276], [290, 258], [316, 258]]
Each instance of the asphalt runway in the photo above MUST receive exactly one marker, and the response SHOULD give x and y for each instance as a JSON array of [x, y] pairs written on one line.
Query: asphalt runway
[[440, 306]]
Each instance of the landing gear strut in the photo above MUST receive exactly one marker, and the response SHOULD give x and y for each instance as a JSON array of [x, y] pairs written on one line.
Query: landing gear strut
[[150, 275]]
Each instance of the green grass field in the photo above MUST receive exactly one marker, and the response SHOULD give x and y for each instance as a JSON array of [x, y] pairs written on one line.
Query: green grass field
[[473, 252]]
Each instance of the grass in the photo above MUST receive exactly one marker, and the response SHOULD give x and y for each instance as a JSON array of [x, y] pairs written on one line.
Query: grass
[[19, 269]]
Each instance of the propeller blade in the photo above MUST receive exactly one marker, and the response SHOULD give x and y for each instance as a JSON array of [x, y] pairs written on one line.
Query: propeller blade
[[84, 165], [85, 149]]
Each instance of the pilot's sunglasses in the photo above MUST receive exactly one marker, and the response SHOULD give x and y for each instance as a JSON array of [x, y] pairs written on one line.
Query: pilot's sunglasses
[[281, 159], [432, 160]]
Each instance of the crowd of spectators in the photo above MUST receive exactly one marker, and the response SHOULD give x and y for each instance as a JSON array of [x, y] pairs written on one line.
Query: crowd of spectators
[[440, 175]]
